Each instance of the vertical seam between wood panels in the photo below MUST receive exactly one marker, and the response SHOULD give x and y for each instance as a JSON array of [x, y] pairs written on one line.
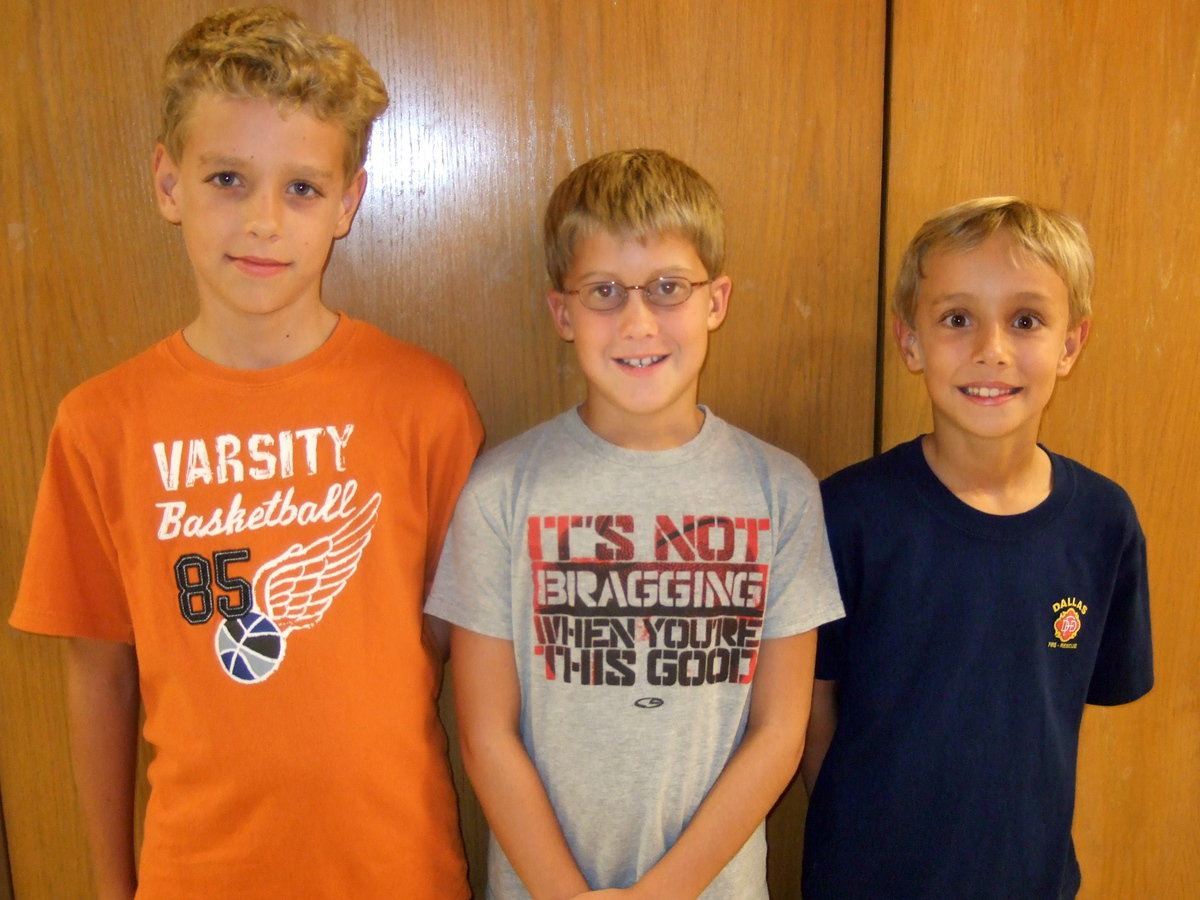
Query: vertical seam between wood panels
[[6, 882], [881, 304]]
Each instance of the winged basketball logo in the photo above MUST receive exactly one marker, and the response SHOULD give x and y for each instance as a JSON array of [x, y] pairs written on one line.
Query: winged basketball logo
[[295, 590]]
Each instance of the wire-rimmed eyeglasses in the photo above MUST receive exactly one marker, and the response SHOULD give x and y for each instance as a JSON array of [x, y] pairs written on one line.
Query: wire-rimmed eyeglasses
[[605, 296]]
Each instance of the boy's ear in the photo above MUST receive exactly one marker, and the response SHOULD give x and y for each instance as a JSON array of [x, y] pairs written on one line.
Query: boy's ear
[[560, 315], [718, 304], [166, 179], [351, 199], [1073, 346], [909, 344]]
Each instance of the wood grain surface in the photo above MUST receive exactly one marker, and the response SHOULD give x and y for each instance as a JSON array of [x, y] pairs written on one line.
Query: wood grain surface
[[779, 104]]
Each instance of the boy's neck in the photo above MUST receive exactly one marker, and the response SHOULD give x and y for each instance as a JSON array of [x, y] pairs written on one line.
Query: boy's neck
[[998, 477], [260, 341]]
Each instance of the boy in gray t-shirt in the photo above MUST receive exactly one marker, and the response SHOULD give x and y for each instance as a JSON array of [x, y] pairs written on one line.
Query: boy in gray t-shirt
[[635, 583]]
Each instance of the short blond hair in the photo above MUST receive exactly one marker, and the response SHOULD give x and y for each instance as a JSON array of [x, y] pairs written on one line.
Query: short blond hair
[[634, 194], [270, 53], [1049, 235]]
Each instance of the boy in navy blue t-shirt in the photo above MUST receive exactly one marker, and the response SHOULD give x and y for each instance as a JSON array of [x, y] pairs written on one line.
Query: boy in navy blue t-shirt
[[992, 588]]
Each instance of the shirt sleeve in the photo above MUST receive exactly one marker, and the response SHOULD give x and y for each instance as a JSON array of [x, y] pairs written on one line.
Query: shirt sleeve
[[1125, 661], [451, 452], [71, 583], [831, 636], [803, 586], [473, 587]]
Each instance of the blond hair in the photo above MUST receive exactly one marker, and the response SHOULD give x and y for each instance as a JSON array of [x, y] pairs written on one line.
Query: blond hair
[[634, 194], [270, 53], [1048, 235]]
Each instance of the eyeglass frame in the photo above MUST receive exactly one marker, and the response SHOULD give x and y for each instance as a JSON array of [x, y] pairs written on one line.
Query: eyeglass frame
[[627, 289]]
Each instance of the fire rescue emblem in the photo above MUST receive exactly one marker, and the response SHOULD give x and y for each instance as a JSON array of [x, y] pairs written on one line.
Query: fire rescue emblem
[[1067, 625]]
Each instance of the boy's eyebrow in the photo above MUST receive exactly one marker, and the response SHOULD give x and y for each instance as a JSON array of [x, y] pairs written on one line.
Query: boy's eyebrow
[[220, 159], [958, 296], [223, 161], [602, 275]]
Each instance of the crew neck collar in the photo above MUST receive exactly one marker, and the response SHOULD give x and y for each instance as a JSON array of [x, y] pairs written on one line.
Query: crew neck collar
[[340, 339]]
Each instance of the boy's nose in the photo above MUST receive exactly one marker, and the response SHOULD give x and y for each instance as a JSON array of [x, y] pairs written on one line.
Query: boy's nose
[[637, 316], [992, 347], [262, 218]]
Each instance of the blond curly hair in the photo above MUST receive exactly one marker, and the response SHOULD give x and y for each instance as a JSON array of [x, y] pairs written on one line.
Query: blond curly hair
[[270, 53]]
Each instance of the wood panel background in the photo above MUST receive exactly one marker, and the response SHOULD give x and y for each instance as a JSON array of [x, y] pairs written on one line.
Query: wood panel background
[[778, 103], [1093, 107]]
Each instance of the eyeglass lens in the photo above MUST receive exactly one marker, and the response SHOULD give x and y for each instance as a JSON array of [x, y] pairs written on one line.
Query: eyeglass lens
[[670, 291]]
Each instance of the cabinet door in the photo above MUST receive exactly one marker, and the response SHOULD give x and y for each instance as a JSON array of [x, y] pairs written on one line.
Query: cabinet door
[[1091, 107], [779, 104]]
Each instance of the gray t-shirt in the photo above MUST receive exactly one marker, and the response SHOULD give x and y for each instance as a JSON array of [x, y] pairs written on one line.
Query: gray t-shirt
[[636, 588]]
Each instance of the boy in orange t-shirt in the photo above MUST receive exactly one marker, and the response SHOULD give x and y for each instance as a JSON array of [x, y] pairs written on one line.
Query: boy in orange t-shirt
[[239, 524]]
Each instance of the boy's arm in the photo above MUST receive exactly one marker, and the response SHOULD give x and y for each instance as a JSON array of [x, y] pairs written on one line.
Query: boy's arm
[[438, 632], [821, 722], [752, 780], [487, 697], [102, 696]]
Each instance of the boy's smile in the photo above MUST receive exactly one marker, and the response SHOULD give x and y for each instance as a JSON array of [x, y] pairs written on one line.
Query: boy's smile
[[642, 362], [992, 336], [261, 197], [257, 266]]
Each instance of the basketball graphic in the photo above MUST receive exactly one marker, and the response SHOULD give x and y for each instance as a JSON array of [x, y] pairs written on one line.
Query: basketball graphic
[[294, 591], [250, 648]]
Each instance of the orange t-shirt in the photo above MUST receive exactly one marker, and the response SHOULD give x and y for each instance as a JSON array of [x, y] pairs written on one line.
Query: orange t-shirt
[[265, 539]]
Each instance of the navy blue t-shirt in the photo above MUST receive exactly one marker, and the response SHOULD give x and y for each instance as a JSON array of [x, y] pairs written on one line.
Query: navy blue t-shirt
[[970, 645]]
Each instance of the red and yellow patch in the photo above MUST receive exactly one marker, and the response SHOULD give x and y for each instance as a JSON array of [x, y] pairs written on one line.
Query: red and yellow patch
[[1067, 625]]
